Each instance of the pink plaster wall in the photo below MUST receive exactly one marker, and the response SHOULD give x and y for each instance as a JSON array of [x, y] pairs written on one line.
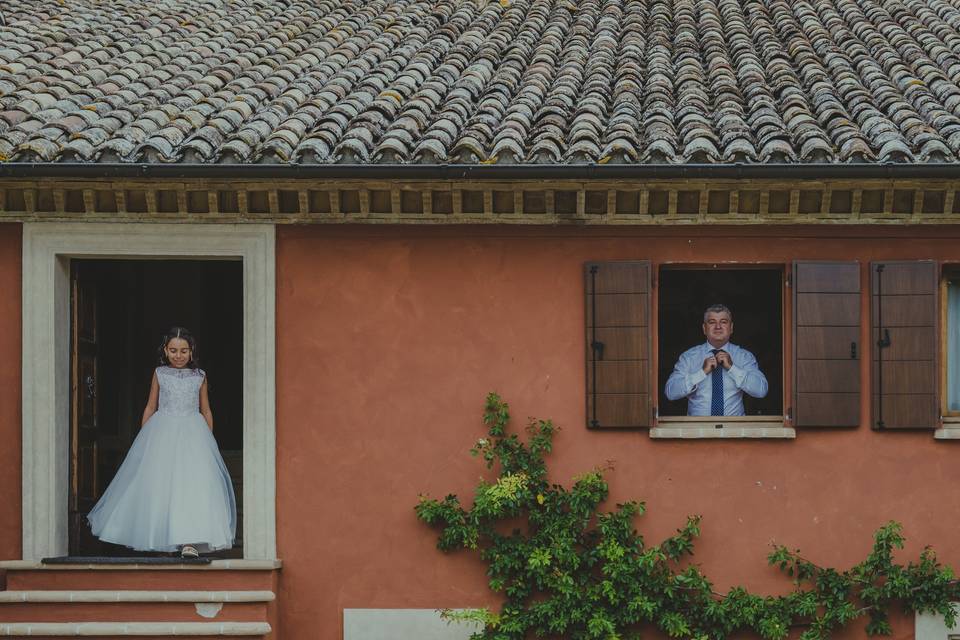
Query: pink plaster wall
[[389, 339]]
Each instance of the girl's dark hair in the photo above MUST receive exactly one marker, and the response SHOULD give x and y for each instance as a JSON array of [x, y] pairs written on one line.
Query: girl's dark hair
[[183, 334]]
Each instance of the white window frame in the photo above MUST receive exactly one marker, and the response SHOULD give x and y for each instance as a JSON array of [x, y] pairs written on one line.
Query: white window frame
[[47, 251]]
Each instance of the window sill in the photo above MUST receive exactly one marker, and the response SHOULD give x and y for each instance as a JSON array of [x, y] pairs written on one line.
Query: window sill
[[727, 427], [950, 429], [215, 565]]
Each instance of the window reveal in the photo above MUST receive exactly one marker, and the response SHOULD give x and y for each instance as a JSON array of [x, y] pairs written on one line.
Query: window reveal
[[952, 344]]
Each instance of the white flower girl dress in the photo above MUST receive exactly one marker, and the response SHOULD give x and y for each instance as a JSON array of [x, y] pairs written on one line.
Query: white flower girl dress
[[173, 488]]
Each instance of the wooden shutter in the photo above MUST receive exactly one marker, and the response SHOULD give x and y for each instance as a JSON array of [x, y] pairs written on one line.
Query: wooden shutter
[[618, 344], [905, 362], [826, 345]]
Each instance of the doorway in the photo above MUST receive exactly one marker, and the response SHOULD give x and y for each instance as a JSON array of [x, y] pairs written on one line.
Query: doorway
[[119, 311]]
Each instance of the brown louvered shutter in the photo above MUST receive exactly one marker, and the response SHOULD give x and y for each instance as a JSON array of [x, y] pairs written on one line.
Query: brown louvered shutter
[[904, 330], [618, 344], [826, 345]]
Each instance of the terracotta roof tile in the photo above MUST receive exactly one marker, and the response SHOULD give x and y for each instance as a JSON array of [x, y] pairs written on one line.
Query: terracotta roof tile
[[510, 81]]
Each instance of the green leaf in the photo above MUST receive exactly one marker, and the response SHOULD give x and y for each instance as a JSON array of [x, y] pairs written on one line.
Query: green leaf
[[569, 569]]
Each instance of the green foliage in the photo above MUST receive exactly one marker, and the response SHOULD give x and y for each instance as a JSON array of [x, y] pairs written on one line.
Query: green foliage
[[567, 569]]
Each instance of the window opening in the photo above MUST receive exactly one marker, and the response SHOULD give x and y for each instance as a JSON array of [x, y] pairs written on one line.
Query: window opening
[[952, 345], [754, 295]]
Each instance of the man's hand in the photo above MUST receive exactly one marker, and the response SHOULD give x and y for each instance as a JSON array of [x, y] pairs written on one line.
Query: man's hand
[[723, 359], [710, 364]]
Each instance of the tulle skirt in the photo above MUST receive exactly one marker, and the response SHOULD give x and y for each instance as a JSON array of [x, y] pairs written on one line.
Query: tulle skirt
[[172, 489]]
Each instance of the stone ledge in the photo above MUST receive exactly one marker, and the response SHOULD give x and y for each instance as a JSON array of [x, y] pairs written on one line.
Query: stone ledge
[[216, 565], [121, 629], [949, 431], [697, 427], [703, 433], [93, 596]]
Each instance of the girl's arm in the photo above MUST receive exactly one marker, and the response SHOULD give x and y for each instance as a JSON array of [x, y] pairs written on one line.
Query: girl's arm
[[151, 407], [205, 405]]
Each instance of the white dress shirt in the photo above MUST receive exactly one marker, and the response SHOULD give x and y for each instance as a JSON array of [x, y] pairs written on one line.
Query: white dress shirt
[[689, 381]]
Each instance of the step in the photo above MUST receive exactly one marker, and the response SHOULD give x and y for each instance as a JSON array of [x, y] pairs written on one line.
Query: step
[[219, 575], [135, 596], [225, 598], [126, 629], [134, 606]]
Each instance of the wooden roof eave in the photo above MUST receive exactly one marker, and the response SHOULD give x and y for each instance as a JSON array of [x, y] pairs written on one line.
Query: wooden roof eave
[[472, 194]]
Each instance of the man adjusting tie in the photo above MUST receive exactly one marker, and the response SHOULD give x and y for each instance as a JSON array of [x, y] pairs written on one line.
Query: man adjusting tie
[[714, 376]]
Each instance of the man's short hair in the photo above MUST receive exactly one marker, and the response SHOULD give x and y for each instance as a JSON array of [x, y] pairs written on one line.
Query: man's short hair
[[717, 308]]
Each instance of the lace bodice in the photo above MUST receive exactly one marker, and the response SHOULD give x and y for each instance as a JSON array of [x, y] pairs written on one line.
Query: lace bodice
[[179, 390]]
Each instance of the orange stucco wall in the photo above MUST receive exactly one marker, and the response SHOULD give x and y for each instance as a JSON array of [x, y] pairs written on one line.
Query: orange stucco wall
[[388, 340], [10, 390]]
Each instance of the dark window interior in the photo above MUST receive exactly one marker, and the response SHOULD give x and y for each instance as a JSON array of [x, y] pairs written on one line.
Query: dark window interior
[[756, 299]]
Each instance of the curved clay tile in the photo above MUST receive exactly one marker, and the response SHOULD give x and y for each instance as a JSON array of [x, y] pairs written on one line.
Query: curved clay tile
[[539, 81], [77, 150], [895, 150], [701, 150], [777, 150], [739, 149]]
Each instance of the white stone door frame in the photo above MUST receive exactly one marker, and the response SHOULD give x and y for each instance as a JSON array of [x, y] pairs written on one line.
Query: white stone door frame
[[47, 250]]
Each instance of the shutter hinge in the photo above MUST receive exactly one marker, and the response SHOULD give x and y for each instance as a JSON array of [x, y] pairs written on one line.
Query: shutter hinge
[[656, 413], [594, 269], [789, 415], [789, 281], [593, 424]]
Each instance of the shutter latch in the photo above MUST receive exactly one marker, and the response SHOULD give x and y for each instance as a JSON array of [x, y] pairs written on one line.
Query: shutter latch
[[884, 342], [598, 348]]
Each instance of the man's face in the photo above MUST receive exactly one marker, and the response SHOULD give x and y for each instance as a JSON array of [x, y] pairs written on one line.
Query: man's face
[[718, 327]]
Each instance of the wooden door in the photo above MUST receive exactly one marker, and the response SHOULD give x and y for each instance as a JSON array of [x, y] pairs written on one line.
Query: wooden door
[[83, 408]]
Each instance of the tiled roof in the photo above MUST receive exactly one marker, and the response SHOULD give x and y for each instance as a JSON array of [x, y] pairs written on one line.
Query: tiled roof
[[480, 81]]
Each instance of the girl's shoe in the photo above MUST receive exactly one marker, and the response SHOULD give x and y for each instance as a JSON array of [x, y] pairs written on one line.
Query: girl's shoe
[[189, 551]]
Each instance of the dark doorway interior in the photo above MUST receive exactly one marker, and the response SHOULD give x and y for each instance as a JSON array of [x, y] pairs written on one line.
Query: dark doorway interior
[[756, 298], [133, 302]]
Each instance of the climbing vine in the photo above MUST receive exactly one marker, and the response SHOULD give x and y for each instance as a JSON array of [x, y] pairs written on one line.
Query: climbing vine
[[574, 571]]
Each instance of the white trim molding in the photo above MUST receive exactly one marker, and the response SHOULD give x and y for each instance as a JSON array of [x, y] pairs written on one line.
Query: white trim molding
[[47, 250], [931, 626], [389, 624]]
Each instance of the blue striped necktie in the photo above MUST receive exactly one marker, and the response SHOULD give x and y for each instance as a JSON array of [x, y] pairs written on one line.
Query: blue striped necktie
[[716, 397]]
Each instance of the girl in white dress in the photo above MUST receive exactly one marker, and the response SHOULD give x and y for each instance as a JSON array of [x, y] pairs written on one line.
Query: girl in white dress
[[172, 490]]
